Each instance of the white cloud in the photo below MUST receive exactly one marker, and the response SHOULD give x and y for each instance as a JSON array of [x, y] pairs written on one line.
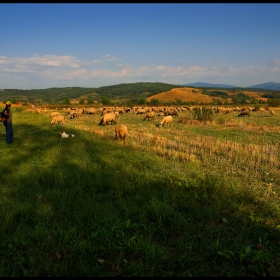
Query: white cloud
[[97, 61], [275, 70], [105, 58], [110, 58], [65, 74], [66, 68], [107, 73], [30, 63], [277, 62]]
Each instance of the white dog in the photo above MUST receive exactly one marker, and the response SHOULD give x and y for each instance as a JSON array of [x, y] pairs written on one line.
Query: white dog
[[65, 135]]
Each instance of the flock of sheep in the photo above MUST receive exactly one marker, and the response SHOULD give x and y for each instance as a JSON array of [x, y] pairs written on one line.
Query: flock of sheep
[[109, 115]]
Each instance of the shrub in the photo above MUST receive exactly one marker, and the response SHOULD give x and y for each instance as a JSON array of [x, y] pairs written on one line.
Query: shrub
[[204, 114], [273, 102]]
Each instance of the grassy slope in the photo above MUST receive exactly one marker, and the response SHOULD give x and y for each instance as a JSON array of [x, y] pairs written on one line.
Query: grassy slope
[[88, 206], [188, 94]]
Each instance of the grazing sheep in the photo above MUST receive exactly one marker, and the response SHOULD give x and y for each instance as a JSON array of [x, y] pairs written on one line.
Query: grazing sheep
[[108, 117], [272, 112], [54, 114], [171, 112], [72, 115], [160, 114], [149, 116], [90, 110], [57, 119], [121, 131], [65, 135], [140, 111], [166, 120], [244, 113]]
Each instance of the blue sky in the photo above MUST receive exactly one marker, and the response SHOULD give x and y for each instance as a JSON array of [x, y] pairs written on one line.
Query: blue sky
[[94, 45]]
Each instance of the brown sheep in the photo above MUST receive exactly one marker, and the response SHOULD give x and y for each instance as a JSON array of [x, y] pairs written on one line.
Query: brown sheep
[[121, 132], [149, 116], [171, 112], [108, 117], [244, 113], [57, 119], [166, 120]]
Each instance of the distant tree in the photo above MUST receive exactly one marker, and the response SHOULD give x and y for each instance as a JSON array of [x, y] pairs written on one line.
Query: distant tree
[[105, 101], [253, 101], [179, 102], [261, 101], [257, 107], [129, 102], [134, 101], [81, 101], [154, 102], [218, 101], [273, 102], [142, 101], [66, 101], [90, 101]]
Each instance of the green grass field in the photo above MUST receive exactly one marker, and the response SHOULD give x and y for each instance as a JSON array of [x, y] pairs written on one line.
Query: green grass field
[[192, 199]]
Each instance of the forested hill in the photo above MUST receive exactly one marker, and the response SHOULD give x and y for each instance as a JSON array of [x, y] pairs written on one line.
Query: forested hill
[[57, 95]]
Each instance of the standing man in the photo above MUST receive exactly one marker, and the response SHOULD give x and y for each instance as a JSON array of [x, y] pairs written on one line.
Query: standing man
[[6, 117]]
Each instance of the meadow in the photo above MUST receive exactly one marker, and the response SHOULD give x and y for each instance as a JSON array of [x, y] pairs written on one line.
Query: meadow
[[188, 200]]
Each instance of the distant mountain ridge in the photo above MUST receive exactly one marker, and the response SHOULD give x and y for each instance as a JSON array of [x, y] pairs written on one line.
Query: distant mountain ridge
[[269, 85]]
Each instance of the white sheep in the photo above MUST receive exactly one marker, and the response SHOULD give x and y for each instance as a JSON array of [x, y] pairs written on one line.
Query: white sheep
[[166, 120], [65, 135]]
